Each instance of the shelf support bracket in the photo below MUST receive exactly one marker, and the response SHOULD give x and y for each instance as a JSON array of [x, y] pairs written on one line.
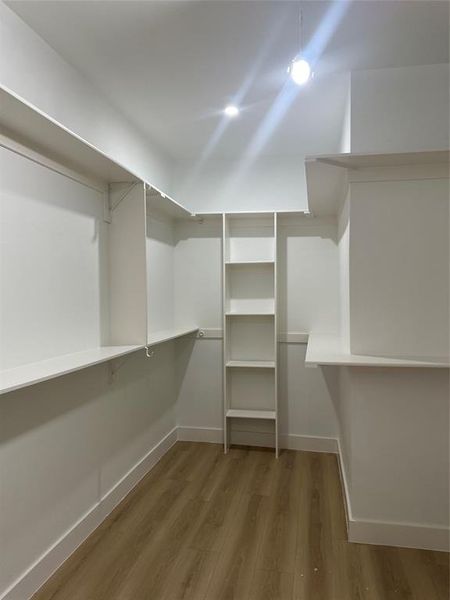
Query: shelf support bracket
[[117, 192]]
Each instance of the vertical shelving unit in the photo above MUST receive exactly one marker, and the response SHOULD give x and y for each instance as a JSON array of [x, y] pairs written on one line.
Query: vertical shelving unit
[[250, 320]]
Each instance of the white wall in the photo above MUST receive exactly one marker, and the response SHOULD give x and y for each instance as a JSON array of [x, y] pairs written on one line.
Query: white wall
[[401, 109], [395, 451], [346, 133], [66, 443], [52, 302], [160, 270], [34, 71], [399, 268], [344, 270], [270, 183]]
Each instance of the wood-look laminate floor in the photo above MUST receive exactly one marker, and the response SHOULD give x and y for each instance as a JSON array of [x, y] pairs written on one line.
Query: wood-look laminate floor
[[207, 526]]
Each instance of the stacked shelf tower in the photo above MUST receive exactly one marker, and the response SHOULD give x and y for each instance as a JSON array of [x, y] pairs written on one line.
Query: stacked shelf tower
[[250, 320]]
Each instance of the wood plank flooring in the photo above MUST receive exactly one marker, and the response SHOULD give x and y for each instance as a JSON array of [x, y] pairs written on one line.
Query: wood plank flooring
[[243, 526]]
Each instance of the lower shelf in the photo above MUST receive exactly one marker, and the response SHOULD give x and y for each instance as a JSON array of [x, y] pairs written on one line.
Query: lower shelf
[[257, 364], [158, 337], [251, 414], [32, 373]]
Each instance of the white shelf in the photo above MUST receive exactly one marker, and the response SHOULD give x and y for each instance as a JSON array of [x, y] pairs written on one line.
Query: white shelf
[[250, 262], [32, 373], [257, 364], [160, 337], [246, 313], [326, 174], [38, 131], [162, 203], [328, 350], [251, 414]]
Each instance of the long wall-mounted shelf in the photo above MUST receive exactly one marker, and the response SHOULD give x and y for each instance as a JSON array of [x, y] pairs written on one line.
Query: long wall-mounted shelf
[[32, 373], [38, 131], [325, 350], [159, 337], [326, 175]]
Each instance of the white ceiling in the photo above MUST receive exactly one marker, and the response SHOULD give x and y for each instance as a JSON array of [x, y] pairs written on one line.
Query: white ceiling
[[171, 66]]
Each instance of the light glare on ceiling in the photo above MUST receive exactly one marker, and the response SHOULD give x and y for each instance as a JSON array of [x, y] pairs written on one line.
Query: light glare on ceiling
[[231, 110], [300, 71]]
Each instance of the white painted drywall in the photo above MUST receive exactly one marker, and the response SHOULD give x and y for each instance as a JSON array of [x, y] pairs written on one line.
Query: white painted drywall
[[160, 273], [308, 275], [394, 437], [400, 109], [270, 183], [399, 268], [346, 133], [53, 264], [344, 271], [34, 71], [66, 443]]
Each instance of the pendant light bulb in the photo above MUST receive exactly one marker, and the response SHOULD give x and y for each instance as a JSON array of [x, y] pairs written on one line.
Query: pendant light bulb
[[300, 71]]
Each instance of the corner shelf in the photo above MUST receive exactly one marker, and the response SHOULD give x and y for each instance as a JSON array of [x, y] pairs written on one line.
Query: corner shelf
[[328, 350], [159, 337], [32, 373], [236, 413]]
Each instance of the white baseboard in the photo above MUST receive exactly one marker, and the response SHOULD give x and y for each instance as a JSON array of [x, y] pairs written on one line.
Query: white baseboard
[[403, 535], [38, 573], [264, 439], [200, 434], [382, 533]]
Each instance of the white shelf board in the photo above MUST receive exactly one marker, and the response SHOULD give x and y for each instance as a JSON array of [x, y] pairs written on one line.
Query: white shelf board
[[328, 350], [161, 202], [249, 313], [326, 174], [250, 262], [258, 364], [250, 414], [32, 373], [393, 159], [36, 130], [166, 335]]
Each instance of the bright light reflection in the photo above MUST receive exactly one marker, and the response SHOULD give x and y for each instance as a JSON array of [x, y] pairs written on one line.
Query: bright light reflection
[[300, 71], [231, 110]]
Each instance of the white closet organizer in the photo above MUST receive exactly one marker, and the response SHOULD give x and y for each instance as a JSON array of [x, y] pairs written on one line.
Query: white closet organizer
[[85, 273], [250, 320]]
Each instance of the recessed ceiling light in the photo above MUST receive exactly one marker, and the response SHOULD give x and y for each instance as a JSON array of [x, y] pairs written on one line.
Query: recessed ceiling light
[[231, 110], [300, 71]]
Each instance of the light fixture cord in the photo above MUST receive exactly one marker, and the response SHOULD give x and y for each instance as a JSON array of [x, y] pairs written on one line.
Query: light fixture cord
[[300, 29]]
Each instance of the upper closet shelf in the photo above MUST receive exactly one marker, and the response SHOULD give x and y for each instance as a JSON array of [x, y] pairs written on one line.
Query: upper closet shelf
[[326, 175], [328, 350], [32, 373], [158, 337], [38, 132], [162, 203]]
